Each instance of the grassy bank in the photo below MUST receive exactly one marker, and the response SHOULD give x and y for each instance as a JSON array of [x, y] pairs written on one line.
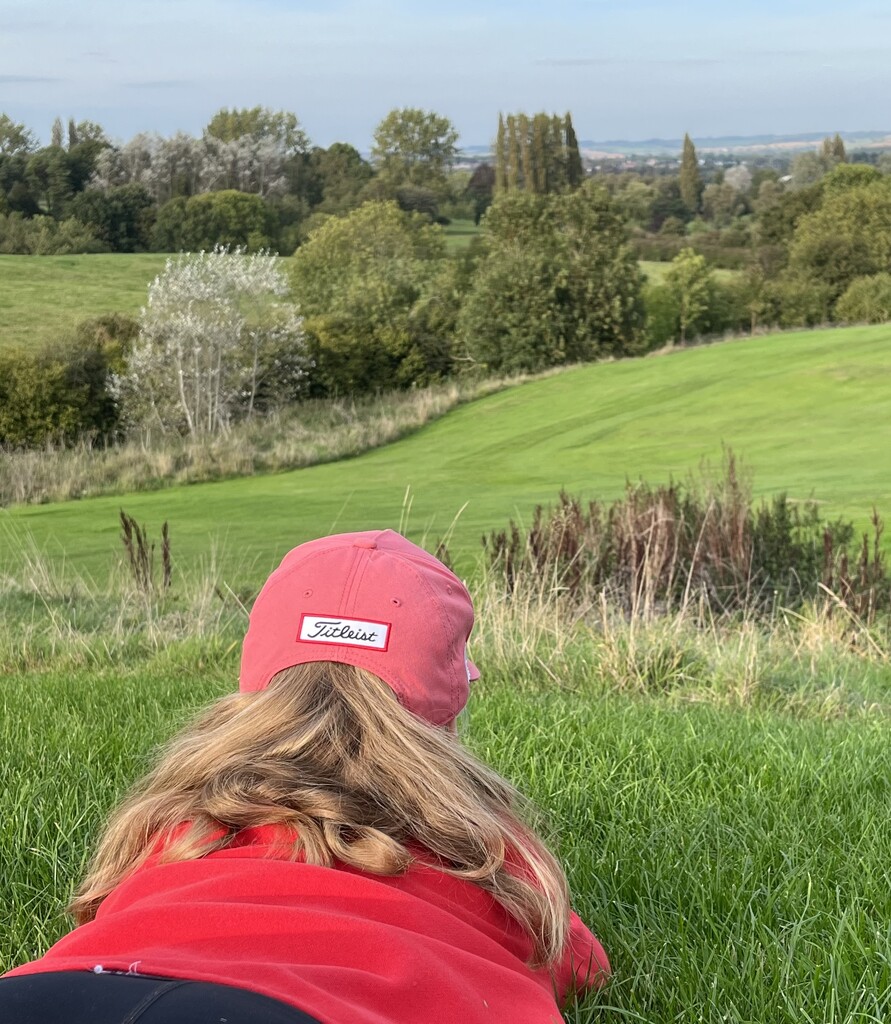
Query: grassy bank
[[808, 411], [720, 797]]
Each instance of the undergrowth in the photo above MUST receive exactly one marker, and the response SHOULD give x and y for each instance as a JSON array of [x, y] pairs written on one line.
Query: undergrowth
[[701, 544], [315, 431]]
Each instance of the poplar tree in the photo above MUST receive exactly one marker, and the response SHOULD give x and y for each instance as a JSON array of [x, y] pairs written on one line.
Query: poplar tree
[[57, 135], [691, 181], [540, 124], [537, 154], [500, 157], [838, 149], [527, 175], [513, 155], [575, 172]]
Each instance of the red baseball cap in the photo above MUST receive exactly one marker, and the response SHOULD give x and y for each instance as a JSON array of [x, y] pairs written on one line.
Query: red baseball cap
[[374, 600]]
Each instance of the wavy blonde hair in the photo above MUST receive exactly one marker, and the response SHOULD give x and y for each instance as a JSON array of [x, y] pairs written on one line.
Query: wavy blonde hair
[[326, 750]]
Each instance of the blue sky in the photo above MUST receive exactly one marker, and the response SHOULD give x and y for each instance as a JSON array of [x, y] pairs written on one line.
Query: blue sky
[[633, 69]]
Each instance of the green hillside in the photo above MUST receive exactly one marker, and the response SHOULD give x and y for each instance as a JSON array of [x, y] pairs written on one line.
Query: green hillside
[[808, 412], [42, 297]]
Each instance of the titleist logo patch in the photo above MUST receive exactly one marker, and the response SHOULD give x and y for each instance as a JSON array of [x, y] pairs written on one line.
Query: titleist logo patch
[[332, 629]]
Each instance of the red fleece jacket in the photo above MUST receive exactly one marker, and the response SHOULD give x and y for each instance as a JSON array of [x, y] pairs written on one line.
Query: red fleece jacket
[[346, 946]]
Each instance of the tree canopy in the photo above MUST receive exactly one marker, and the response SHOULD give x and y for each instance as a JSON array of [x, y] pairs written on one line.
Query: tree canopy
[[557, 284], [414, 147]]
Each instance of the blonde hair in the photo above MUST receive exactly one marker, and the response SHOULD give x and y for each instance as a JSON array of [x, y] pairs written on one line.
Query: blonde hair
[[326, 750]]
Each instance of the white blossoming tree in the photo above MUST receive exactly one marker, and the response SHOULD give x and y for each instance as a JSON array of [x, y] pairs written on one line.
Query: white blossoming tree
[[218, 342]]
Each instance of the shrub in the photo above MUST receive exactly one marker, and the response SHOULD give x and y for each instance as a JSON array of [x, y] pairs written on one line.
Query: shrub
[[866, 300], [662, 315], [57, 392], [794, 300], [225, 218], [658, 549], [44, 236]]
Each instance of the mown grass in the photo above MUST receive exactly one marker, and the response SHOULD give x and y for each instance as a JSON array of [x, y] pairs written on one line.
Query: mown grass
[[808, 411], [656, 270], [44, 297], [720, 797], [305, 434], [459, 234]]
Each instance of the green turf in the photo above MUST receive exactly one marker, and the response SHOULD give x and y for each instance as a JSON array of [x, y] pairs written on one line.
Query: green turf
[[42, 297], [734, 864], [808, 411]]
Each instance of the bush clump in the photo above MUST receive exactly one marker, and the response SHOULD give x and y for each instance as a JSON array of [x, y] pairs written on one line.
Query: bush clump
[[866, 300], [661, 548]]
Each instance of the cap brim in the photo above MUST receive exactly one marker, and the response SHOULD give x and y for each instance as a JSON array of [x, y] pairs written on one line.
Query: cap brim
[[473, 672]]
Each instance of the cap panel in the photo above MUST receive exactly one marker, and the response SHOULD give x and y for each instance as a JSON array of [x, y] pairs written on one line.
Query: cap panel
[[355, 587]]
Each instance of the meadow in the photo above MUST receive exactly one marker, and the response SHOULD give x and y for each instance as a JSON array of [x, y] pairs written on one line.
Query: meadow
[[43, 297], [806, 412]]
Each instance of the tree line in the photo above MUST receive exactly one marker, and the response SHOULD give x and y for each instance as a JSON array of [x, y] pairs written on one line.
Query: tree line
[[372, 298], [252, 178]]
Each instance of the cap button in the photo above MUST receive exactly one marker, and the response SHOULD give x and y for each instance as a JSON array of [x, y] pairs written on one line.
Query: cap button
[[365, 544]]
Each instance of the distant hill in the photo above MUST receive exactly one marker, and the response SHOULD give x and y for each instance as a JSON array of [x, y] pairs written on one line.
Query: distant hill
[[716, 144]]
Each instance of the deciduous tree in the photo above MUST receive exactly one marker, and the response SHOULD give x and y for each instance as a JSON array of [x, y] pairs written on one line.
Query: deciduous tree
[[558, 283], [849, 236], [689, 280], [361, 279], [415, 147], [215, 338], [15, 138], [279, 127]]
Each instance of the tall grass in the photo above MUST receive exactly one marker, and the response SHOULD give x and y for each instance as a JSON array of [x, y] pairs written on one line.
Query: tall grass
[[658, 549], [316, 431]]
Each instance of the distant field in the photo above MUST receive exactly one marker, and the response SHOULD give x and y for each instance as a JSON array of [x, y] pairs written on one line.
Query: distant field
[[42, 297], [459, 234], [656, 271], [807, 411]]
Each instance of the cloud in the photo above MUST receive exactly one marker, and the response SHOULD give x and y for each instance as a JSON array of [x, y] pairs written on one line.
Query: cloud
[[27, 80], [160, 83], [594, 62], [100, 57], [817, 51]]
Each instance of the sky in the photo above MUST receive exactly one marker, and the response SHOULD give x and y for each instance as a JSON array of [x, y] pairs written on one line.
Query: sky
[[626, 69]]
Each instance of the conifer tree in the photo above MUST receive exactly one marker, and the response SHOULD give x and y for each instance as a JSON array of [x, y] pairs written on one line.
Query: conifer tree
[[691, 181], [513, 157], [540, 125], [500, 157], [526, 173], [575, 172]]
